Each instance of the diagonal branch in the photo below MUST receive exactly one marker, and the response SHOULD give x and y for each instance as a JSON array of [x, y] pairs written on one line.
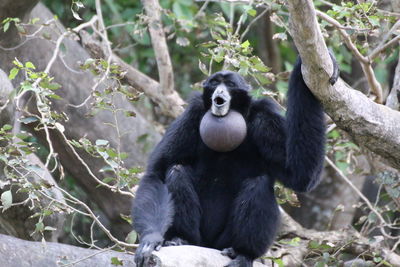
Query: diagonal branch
[[364, 61], [170, 104], [371, 125]]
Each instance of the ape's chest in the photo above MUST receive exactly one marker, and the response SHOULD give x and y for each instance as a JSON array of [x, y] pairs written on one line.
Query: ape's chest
[[229, 167]]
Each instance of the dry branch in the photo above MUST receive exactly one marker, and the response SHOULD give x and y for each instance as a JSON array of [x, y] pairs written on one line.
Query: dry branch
[[170, 104], [372, 125], [165, 94], [365, 62], [160, 47]]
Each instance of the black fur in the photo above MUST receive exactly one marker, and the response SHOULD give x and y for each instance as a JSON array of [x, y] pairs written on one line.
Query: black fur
[[226, 200]]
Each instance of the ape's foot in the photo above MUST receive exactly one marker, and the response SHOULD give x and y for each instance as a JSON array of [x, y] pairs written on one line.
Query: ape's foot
[[240, 261], [229, 252], [336, 72], [148, 244], [176, 241]]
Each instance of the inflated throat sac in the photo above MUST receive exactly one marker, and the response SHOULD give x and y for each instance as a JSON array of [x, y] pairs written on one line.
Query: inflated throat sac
[[223, 134]]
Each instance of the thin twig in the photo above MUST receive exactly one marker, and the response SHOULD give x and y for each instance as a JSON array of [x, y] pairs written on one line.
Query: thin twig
[[363, 197], [103, 33], [88, 257], [384, 39], [113, 188], [98, 222], [252, 22], [344, 34], [379, 49], [201, 10]]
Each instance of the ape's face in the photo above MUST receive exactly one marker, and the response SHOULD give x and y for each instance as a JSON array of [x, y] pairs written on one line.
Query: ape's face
[[226, 90]]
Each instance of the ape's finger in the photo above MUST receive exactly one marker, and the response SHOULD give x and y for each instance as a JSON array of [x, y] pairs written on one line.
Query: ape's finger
[[139, 260]]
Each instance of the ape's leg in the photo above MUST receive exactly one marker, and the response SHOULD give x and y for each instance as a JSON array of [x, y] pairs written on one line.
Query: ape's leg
[[152, 215], [255, 219], [187, 210]]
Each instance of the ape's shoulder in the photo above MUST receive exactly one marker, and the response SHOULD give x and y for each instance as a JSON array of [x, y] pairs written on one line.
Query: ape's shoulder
[[263, 107], [192, 114], [195, 101]]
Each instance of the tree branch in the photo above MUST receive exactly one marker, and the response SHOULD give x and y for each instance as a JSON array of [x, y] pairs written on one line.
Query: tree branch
[[364, 61], [393, 99], [373, 126], [159, 42], [170, 104]]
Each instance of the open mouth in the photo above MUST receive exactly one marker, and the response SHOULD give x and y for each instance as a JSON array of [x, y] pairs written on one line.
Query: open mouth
[[219, 101]]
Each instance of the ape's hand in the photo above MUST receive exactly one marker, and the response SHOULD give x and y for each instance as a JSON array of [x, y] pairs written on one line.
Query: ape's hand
[[148, 244], [336, 72]]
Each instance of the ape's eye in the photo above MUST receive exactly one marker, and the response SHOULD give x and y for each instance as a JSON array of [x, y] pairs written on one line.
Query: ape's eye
[[230, 84], [214, 82]]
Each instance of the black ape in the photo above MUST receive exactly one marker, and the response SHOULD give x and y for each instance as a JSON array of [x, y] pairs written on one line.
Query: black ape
[[192, 194]]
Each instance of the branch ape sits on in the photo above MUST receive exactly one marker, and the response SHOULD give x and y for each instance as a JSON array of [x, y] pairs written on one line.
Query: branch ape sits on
[[192, 194]]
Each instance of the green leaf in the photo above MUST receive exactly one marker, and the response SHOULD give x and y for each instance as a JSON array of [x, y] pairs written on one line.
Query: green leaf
[[39, 227], [203, 68], [57, 97], [334, 134], [279, 262], [75, 14], [262, 78], [6, 26], [21, 136], [293, 242], [17, 63], [34, 20], [6, 127], [29, 65], [27, 120], [49, 228], [6, 199], [130, 113], [372, 218], [107, 180], [252, 12], [123, 155], [115, 261], [131, 237], [111, 153], [182, 41], [51, 86], [246, 44], [101, 142], [320, 264], [13, 73]]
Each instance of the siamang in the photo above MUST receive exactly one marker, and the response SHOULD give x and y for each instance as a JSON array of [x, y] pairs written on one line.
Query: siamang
[[197, 192]]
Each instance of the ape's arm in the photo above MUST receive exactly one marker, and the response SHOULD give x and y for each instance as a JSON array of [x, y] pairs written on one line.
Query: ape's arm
[[305, 126], [152, 210], [293, 148], [178, 145]]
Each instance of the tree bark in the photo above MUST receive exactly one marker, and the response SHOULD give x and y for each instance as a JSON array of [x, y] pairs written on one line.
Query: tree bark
[[21, 253]]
